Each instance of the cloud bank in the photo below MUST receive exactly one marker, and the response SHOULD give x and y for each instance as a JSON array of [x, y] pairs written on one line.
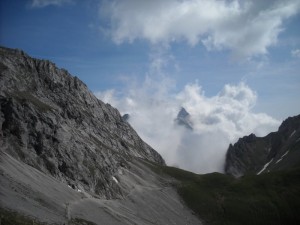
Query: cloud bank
[[217, 121], [246, 27]]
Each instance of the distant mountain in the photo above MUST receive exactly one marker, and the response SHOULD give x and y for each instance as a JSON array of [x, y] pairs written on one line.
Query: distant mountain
[[183, 119], [277, 151], [68, 158]]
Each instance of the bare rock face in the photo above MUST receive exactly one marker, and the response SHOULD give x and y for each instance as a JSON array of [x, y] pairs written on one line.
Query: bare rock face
[[52, 122], [183, 119], [247, 155], [276, 151]]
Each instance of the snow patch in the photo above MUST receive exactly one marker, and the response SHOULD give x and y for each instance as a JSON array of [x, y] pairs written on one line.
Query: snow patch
[[282, 157], [293, 133], [285, 154], [79, 190], [70, 186], [265, 166], [115, 179]]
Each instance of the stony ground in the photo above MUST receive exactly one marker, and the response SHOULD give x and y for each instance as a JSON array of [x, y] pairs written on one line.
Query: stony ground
[[147, 198]]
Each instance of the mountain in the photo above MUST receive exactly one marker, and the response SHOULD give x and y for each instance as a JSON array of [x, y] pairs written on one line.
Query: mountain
[[57, 126], [183, 119], [68, 158], [277, 151]]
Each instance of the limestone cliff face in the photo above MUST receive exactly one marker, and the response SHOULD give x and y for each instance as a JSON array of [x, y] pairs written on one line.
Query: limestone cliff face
[[52, 122], [276, 151]]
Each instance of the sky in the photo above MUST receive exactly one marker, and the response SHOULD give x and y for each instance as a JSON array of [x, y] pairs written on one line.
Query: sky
[[234, 65]]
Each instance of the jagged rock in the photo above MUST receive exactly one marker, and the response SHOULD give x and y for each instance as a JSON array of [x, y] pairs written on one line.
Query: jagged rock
[[52, 122], [183, 119], [126, 117], [276, 151]]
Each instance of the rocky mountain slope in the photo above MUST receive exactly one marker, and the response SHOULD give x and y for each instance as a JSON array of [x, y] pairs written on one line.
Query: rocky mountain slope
[[277, 151], [65, 154]]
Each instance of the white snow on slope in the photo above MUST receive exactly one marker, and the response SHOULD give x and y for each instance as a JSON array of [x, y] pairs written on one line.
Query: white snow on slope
[[265, 166], [115, 180], [282, 157], [293, 133]]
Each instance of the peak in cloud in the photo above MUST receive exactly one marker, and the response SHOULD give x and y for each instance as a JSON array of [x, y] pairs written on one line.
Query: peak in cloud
[[217, 121], [247, 28]]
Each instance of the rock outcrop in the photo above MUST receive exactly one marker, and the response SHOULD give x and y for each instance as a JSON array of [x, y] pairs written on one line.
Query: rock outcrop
[[276, 151], [183, 119], [126, 117], [52, 122]]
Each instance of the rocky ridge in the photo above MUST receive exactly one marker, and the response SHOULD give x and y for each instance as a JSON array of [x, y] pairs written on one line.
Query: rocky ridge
[[277, 151]]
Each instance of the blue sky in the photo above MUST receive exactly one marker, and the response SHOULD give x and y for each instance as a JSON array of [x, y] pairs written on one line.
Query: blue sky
[[246, 53], [70, 33]]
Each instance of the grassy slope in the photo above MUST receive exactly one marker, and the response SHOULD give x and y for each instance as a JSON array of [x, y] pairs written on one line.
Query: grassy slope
[[272, 198], [13, 218]]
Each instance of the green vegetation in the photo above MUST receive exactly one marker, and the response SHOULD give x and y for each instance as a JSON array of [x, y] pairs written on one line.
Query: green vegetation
[[8, 217], [78, 221], [13, 218], [218, 199]]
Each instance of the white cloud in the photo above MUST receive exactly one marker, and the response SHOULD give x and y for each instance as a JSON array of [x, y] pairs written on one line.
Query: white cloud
[[296, 53], [218, 120], [247, 28], [44, 3]]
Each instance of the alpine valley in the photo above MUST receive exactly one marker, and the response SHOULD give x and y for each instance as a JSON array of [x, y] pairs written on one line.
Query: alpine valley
[[68, 158]]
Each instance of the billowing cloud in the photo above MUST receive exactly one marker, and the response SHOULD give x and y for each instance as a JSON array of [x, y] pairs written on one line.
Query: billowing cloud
[[44, 3], [217, 121], [246, 27]]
